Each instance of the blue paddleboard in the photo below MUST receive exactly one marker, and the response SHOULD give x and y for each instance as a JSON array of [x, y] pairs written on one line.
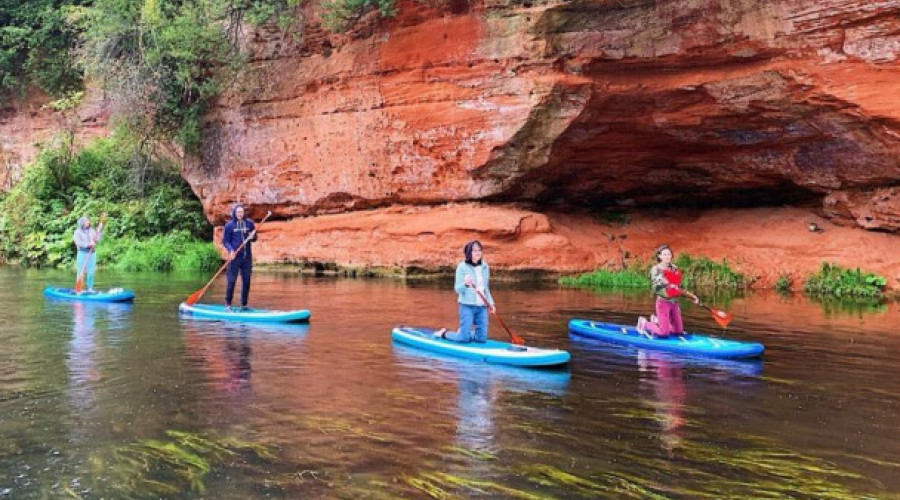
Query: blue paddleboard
[[491, 351], [112, 295], [219, 312], [689, 343]]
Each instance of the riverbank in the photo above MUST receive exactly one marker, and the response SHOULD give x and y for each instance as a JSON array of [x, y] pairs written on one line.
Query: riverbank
[[764, 244]]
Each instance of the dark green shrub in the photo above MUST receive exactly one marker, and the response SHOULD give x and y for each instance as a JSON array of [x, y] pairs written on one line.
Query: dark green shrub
[[340, 15], [703, 272], [39, 215], [832, 279], [37, 46], [784, 283]]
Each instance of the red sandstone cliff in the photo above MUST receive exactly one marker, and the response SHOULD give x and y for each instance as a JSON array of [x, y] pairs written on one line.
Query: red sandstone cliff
[[27, 125], [602, 102], [516, 112], [629, 103]]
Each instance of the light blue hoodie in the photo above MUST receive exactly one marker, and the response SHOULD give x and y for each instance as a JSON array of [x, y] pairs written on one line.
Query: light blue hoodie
[[467, 295]]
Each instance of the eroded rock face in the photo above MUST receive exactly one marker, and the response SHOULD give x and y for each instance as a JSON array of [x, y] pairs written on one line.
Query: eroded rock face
[[27, 126], [763, 243], [876, 210], [628, 102]]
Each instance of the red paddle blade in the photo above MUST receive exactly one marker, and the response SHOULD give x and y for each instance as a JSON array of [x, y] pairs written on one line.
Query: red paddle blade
[[516, 339], [722, 318], [194, 297], [79, 284]]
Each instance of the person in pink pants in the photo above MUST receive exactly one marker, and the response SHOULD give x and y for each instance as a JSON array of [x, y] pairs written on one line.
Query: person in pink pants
[[665, 278]]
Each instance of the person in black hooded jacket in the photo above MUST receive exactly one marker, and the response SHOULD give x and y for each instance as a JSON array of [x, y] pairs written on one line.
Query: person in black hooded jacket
[[237, 230]]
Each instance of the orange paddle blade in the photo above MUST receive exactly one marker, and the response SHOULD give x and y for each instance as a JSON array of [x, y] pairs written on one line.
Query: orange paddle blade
[[722, 318], [516, 339], [79, 284], [195, 297]]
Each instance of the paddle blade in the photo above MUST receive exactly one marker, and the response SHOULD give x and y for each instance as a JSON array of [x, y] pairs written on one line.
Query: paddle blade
[[79, 284], [516, 340], [194, 297], [722, 318]]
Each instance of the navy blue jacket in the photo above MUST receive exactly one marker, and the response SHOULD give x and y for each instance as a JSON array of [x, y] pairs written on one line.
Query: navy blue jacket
[[236, 231]]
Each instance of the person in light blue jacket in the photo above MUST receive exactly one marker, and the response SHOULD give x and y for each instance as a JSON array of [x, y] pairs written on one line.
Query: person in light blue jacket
[[86, 238], [472, 276]]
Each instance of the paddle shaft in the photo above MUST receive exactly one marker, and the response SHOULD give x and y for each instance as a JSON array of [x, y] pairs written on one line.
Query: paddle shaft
[[515, 338], [196, 295], [721, 317]]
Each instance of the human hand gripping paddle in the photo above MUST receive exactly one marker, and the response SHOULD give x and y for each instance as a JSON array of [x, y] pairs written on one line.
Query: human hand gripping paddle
[[79, 280], [199, 293], [512, 336]]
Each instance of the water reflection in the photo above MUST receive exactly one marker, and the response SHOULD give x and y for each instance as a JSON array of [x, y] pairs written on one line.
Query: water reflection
[[225, 350], [665, 376], [351, 415], [476, 397], [664, 373], [83, 362], [479, 386], [732, 369]]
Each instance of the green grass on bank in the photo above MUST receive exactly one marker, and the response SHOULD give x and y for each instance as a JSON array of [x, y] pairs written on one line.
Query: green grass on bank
[[837, 281], [699, 272], [705, 273], [634, 277]]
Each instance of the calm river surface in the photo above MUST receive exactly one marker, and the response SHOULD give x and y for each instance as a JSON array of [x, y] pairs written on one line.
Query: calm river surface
[[129, 401]]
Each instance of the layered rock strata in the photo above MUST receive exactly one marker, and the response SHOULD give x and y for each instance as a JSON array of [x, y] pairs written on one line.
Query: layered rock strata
[[619, 102]]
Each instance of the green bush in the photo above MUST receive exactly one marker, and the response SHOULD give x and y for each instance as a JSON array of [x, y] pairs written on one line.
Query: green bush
[[340, 15], [702, 273], [634, 277], [177, 251], [166, 61], [39, 215], [832, 279], [37, 46], [784, 283]]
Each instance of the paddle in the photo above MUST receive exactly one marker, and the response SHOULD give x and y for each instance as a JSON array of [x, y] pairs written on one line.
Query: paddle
[[199, 293], [79, 279], [515, 338], [721, 317]]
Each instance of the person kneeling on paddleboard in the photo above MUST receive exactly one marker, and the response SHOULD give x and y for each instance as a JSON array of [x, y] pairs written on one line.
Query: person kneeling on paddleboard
[[665, 279], [237, 230], [472, 276]]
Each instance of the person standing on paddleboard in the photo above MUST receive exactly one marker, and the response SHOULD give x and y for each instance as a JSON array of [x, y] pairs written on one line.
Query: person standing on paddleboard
[[238, 229], [665, 279], [472, 275], [86, 239]]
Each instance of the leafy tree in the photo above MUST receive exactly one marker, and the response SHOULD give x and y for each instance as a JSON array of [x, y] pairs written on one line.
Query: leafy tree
[[37, 45]]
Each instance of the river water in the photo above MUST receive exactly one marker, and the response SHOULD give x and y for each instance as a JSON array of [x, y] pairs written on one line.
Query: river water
[[130, 401]]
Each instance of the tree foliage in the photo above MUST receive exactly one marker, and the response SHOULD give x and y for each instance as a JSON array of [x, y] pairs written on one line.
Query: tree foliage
[[161, 62], [340, 15], [38, 215], [37, 42]]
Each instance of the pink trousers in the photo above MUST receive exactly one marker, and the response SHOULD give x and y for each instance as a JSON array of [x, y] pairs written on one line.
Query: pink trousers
[[668, 315]]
